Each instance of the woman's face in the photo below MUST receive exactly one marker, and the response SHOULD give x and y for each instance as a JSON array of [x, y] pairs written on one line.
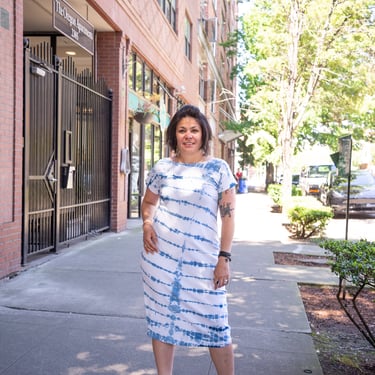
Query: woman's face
[[189, 135]]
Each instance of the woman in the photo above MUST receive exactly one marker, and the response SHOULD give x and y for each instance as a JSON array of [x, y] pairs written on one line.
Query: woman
[[185, 265]]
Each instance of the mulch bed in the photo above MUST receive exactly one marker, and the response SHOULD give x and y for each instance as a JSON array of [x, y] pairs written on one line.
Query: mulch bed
[[341, 348], [300, 259]]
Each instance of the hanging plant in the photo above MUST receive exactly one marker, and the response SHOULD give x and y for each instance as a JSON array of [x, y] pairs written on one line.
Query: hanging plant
[[144, 113]]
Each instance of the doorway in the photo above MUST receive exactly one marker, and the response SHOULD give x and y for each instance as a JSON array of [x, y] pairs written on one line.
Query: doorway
[[146, 150]]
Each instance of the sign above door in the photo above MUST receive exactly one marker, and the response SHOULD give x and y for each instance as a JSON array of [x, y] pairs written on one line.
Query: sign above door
[[73, 25]]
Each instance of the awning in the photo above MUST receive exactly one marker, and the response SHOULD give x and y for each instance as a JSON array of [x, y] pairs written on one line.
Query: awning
[[229, 136]]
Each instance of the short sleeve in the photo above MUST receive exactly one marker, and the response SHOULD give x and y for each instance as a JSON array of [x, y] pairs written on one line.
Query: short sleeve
[[153, 180], [227, 180]]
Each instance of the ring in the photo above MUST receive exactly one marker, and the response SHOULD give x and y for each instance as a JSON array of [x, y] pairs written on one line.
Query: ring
[[225, 281]]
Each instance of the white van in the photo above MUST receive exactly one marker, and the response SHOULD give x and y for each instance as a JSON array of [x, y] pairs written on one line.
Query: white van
[[313, 177]]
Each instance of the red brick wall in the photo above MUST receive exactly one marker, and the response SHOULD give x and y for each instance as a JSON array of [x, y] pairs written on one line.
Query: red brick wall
[[110, 53], [11, 78]]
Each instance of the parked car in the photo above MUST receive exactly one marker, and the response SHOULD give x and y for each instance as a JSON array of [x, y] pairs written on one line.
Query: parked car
[[295, 179], [313, 177], [362, 193]]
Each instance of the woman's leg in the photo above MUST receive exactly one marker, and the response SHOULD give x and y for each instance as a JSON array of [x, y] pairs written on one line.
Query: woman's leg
[[164, 354], [223, 359]]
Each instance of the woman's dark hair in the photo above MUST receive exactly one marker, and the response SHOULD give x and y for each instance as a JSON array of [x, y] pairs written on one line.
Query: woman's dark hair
[[194, 112]]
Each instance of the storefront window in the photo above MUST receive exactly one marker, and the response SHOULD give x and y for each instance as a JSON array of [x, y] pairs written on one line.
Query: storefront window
[[156, 89], [157, 144], [139, 76], [131, 72], [134, 176], [147, 83], [146, 150]]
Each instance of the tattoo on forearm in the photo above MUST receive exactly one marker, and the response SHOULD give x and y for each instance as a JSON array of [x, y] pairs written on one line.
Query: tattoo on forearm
[[226, 209]]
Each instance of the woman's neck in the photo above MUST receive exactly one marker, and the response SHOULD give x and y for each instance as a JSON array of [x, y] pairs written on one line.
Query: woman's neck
[[190, 158]]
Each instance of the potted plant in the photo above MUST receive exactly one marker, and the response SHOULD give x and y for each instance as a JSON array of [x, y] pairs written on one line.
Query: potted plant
[[274, 191], [144, 113]]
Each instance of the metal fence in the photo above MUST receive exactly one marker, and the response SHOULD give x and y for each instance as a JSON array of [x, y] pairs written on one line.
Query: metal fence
[[67, 153]]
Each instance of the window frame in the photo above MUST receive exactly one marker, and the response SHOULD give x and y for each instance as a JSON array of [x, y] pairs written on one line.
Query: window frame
[[169, 9], [188, 32]]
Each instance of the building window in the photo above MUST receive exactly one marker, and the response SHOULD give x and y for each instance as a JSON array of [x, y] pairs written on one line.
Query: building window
[[201, 83], [212, 95], [169, 9], [188, 27], [147, 84], [214, 5]]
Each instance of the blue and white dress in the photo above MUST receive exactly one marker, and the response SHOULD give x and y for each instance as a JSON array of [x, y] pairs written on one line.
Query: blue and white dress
[[182, 306]]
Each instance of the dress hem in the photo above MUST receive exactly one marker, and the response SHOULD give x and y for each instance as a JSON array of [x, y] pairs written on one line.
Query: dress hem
[[186, 344]]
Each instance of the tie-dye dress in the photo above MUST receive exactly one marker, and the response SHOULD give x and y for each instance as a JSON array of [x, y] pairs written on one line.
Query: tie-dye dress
[[182, 306]]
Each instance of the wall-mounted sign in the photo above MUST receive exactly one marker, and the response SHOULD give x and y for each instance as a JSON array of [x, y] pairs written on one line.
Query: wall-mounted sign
[[73, 25], [4, 18]]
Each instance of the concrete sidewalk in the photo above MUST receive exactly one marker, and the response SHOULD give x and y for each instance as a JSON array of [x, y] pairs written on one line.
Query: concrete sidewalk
[[81, 311]]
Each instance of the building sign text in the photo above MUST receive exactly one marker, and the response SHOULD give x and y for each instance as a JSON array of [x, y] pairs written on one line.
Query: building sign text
[[72, 25]]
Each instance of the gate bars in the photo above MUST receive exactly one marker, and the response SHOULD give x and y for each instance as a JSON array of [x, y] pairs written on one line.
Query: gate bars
[[67, 153]]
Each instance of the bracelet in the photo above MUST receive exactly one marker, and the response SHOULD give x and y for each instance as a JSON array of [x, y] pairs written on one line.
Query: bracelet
[[226, 255], [148, 221]]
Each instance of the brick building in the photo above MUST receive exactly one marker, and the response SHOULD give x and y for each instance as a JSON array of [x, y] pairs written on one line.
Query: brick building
[[77, 77]]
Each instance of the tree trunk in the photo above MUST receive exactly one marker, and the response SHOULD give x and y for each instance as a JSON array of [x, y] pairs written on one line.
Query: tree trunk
[[270, 174], [289, 106], [287, 155]]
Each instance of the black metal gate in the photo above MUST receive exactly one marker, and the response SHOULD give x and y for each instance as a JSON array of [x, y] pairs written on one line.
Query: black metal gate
[[67, 164]]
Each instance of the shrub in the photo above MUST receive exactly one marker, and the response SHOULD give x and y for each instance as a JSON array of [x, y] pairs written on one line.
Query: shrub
[[296, 191], [306, 222], [353, 261], [274, 191]]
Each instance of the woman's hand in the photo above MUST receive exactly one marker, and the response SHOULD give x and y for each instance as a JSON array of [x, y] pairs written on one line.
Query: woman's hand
[[148, 208], [150, 240], [221, 273]]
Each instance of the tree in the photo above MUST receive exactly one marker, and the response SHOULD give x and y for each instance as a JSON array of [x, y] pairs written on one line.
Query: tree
[[246, 151], [257, 146], [313, 64]]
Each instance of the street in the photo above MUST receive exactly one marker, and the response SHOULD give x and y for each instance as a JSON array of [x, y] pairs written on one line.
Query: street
[[252, 207], [358, 228]]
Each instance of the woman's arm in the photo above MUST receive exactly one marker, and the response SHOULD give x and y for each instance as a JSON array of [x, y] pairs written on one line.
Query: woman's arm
[[227, 202], [149, 202], [148, 208]]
